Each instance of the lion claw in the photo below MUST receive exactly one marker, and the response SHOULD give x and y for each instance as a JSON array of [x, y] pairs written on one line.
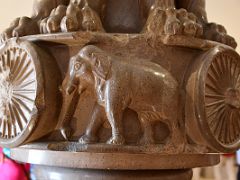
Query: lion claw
[[218, 33], [179, 21]]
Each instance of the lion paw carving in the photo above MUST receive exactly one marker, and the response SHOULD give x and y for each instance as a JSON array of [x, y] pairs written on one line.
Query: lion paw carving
[[168, 17], [71, 18], [219, 33], [173, 22]]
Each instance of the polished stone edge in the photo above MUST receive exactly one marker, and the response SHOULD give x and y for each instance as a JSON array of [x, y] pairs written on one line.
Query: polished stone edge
[[117, 161], [48, 172], [81, 38]]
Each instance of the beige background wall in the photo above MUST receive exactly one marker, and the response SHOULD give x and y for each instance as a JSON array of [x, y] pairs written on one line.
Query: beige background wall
[[225, 12]]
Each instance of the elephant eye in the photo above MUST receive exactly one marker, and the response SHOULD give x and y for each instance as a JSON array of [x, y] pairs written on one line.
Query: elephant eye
[[77, 66]]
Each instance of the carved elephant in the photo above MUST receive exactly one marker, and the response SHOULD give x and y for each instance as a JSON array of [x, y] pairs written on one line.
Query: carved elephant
[[145, 87], [51, 16]]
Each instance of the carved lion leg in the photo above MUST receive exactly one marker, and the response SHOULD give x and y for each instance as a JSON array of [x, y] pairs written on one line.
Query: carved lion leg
[[96, 121]]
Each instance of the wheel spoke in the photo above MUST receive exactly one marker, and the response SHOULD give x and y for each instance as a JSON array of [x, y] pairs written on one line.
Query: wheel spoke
[[222, 65], [227, 133], [25, 84], [237, 86], [22, 72], [222, 122], [24, 91], [20, 111], [21, 103], [3, 61], [219, 67], [12, 122], [237, 121], [231, 129], [234, 126], [9, 130], [214, 81], [224, 135], [230, 72], [236, 74], [15, 66], [215, 96], [218, 123], [4, 128], [27, 75], [19, 96], [213, 88], [14, 130], [215, 72], [19, 66], [9, 59], [17, 118], [215, 103], [216, 110]]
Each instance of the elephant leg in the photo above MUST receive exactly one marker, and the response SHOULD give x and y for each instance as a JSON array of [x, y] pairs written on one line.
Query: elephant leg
[[96, 122], [176, 142], [148, 135], [114, 111]]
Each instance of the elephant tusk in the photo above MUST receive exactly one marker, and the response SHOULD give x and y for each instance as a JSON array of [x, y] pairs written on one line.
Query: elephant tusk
[[70, 90]]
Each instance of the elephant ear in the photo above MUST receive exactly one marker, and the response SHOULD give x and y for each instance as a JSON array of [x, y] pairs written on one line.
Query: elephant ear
[[102, 65]]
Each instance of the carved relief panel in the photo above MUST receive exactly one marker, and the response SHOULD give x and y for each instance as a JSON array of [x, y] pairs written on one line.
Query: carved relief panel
[[165, 89]]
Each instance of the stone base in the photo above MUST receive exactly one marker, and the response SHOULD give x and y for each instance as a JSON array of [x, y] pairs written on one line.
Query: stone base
[[56, 173], [113, 161], [58, 165]]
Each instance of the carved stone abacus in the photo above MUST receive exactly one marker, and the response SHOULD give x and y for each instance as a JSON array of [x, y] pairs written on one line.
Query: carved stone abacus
[[89, 87]]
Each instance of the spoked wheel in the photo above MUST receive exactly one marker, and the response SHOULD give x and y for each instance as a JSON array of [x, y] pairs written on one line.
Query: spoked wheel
[[29, 82], [213, 100]]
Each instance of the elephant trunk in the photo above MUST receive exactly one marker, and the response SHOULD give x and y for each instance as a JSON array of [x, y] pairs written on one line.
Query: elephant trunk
[[71, 84], [70, 99], [68, 109]]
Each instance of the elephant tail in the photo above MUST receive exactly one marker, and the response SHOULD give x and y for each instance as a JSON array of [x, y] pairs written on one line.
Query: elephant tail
[[151, 116]]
